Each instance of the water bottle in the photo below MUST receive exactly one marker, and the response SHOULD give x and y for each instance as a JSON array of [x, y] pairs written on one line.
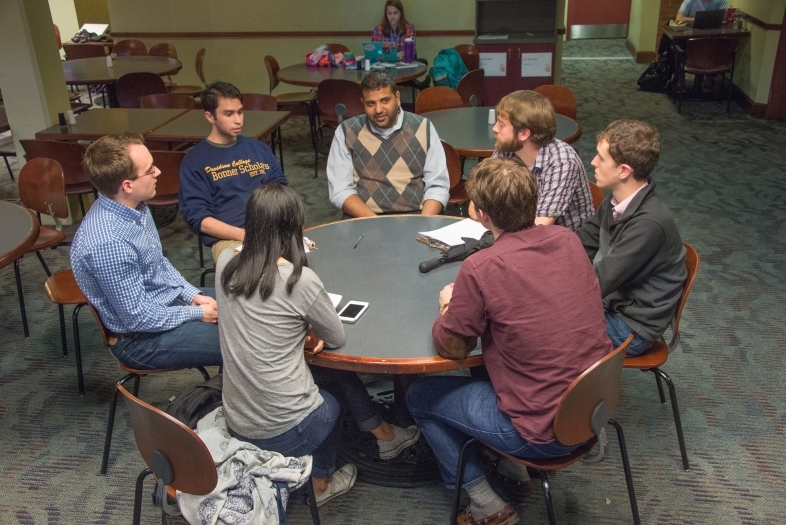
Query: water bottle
[[409, 50]]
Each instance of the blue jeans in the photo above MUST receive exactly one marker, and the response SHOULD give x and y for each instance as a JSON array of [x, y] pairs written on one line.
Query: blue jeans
[[351, 394], [451, 409], [618, 331], [317, 435], [189, 345]]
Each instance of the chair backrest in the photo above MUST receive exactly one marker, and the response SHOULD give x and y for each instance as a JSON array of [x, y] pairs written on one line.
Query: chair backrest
[[692, 262], [68, 154], [199, 65], [192, 465], [163, 50], [436, 98], [454, 164], [125, 48], [338, 91], [168, 183], [42, 188], [470, 55], [131, 86], [599, 383], [77, 51], [337, 48], [57, 36], [471, 84], [562, 98], [271, 64], [597, 195], [259, 102], [166, 101], [710, 53]]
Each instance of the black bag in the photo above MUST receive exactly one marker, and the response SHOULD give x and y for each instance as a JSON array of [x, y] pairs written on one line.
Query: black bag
[[651, 80], [197, 402], [658, 75]]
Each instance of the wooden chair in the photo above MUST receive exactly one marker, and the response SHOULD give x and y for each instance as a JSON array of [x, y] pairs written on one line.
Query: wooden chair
[[61, 289], [657, 355], [166, 101], [261, 102], [458, 194], [69, 155], [470, 55], [131, 86], [597, 195], [587, 406], [126, 48], [306, 101], [78, 51], [168, 182], [168, 51], [42, 189], [562, 98], [706, 56], [469, 85], [436, 98], [7, 149], [194, 91], [331, 93]]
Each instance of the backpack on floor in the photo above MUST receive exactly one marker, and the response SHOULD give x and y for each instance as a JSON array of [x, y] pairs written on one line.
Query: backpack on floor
[[193, 405]]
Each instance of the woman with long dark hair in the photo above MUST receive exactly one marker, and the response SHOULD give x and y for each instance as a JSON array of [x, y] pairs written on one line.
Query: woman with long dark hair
[[394, 26], [269, 300]]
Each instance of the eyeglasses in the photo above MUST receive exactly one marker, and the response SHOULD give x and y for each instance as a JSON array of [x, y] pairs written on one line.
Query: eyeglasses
[[150, 172]]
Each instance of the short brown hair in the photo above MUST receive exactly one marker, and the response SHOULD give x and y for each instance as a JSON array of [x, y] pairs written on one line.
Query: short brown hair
[[108, 163], [530, 110], [377, 80], [634, 143], [506, 190]]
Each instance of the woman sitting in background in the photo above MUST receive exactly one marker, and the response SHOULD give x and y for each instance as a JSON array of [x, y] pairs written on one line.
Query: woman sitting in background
[[394, 27], [268, 299]]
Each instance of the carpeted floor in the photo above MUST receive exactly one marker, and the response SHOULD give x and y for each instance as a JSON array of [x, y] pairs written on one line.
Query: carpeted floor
[[722, 177]]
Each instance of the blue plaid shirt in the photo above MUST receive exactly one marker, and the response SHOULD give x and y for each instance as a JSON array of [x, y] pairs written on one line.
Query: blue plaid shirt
[[119, 266]]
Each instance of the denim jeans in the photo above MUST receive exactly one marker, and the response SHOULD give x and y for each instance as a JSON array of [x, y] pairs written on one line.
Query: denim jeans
[[317, 435], [451, 409], [618, 331], [189, 345], [351, 394]]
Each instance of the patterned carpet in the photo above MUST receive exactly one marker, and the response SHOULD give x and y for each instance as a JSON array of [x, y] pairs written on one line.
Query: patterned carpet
[[722, 176]]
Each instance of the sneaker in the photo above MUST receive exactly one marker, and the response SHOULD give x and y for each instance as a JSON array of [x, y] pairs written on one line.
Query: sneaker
[[405, 437], [339, 483]]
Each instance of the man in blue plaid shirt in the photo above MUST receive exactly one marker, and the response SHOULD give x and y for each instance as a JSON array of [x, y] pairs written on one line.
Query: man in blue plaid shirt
[[161, 321]]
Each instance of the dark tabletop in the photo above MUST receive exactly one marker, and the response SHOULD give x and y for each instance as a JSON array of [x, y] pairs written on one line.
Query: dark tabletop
[[302, 75], [94, 124], [689, 32], [393, 336], [19, 232], [193, 127], [95, 70], [468, 130]]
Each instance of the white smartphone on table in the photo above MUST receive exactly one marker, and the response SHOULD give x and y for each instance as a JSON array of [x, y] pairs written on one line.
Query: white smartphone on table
[[352, 311]]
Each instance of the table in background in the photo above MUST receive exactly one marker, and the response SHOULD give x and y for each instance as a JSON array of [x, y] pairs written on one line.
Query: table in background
[[192, 126], [303, 75], [681, 35], [91, 71], [468, 130], [92, 125], [20, 231], [393, 336], [3, 120]]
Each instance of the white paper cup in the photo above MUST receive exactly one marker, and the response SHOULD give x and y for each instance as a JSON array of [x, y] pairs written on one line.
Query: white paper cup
[[492, 116], [367, 65]]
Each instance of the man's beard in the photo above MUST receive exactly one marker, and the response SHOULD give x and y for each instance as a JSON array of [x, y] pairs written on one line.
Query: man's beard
[[510, 146]]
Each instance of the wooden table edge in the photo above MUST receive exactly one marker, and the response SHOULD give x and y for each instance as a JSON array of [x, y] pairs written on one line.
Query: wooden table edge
[[570, 139], [21, 248], [392, 366], [312, 84], [173, 71], [190, 138]]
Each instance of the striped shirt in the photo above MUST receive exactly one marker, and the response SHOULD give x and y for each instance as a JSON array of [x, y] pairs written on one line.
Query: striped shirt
[[379, 35], [119, 266], [563, 190]]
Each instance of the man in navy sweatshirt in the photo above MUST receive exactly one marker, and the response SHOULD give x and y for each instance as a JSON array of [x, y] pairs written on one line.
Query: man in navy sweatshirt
[[218, 174]]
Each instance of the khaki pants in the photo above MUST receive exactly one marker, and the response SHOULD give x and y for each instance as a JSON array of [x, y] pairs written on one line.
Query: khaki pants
[[220, 246]]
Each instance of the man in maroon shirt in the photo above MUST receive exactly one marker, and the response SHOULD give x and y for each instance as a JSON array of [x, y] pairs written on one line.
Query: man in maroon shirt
[[534, 300]]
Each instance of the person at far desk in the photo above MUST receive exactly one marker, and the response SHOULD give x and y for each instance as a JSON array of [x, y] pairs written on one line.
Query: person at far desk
[[394, 27], [688, 9], [534, 301], [387, 160], [525, 130]]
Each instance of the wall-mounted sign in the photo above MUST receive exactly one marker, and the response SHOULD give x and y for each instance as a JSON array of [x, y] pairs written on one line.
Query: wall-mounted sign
[[535, 65], [494, 64]]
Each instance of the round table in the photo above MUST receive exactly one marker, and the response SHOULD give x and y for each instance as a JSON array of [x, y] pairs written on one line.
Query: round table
[[20, 231], [303, 75], [90, 71], [468, 130]]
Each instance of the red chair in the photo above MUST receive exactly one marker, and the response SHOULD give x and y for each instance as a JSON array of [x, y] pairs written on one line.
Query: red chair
[[131, 86], [436, 98], [471, 85], [330, 94], [562, 98], [470, 55], [262, 102], [597, 195], [125, 48], [458, 195]]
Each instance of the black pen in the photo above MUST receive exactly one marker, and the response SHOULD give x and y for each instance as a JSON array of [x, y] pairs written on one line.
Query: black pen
[[356, 244]]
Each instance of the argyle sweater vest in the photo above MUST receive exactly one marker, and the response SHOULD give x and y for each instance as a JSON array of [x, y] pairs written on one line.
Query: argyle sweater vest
[[388, 173]]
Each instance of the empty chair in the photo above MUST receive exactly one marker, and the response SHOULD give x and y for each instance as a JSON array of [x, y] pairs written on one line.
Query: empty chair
[[471, 84], [436, 98], [306, 101], [562, 98], [163, 50], [330, 93], [262, 102], [166, 101], [597, 195], [706, 56], [131, 86], [193, 90], [125, 48], [69, 155], [77, 51], [470, 55], [458, 194], [168, 182]]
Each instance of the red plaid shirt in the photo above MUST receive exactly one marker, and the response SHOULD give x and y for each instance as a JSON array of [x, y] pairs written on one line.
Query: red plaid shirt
[[379, 35]]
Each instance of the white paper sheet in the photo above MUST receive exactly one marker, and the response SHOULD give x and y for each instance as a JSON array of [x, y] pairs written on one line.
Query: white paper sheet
[[452, 234]]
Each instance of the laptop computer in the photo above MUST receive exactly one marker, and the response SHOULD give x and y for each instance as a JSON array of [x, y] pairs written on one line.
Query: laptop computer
[[712, 19], [380, 51]]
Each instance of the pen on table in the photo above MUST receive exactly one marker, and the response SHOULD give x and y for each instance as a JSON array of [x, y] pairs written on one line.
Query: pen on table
[[356, 244]]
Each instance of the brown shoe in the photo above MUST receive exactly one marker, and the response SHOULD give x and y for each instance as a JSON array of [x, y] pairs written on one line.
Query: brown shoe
[[506, 516], [514, 489]]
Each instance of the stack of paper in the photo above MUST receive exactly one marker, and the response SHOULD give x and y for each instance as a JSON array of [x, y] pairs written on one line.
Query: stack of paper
[[451, 235]]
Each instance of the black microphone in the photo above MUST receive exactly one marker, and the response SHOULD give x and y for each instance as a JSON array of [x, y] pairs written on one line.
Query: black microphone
[[427, 266]]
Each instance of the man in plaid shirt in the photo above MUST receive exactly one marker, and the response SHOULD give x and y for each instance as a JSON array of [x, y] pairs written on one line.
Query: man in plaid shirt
[[525, 131]]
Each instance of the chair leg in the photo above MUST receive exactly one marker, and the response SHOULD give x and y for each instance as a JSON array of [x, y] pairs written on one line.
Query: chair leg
[[201, 253], [546, 488], [278, 137], [204, 373], [677, 421], [63, 341], [140, 487], [634, 507], [81, 204], [110, 424], [21, 299], [660, 388], [8, 165], [204, 276], [316, 157], [43, 263], [459, 477], [78, 348], [312, 502]]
